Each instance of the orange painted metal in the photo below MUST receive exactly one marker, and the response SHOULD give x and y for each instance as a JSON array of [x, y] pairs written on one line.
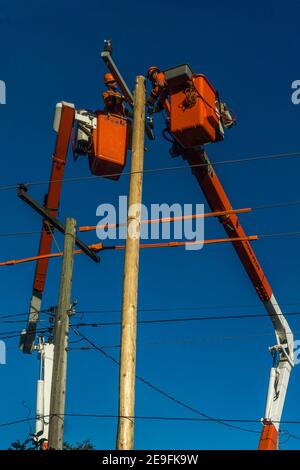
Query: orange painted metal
[[89, 228], [194, 116], [54, 192], [269, 438], [197, 242], [99, 247], [96, 247], [218, 201], [110, 142]]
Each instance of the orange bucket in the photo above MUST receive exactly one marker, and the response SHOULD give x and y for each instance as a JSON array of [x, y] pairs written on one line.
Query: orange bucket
[[110, 142]]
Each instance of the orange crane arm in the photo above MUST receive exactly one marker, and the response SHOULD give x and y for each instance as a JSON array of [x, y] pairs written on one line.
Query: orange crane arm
[[218, 201], [54, 191], [66, 115], [283, 351], [280, 373], [96, 247]]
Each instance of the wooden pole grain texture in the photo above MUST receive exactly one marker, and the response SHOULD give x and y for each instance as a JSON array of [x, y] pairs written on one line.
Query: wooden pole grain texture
[[61, 334], [125, 436]]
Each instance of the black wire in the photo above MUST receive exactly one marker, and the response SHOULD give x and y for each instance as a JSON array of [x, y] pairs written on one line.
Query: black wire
[[279, 234], [29, 410], [162, 392], [166, 309], [262, 206], [159, 170], [159, 418], [184, 341], [18, 332], [11, 315], [160, 320], [187, 319], [150, 309]]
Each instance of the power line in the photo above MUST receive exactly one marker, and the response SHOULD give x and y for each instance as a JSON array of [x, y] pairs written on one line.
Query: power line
[[264, 235], [154, 418], [15, 234], [159, 418], [161, 169], [162, 392], [17, 332], [162, 320], [274, 205], [183, 342], [12, 315], [101, 247], [279, 234], [166, 309], [188, 319], [167, 320], [259, 207]]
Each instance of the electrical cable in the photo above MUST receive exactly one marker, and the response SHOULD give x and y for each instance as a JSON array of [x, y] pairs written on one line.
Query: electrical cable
[[162, 392], [188, 319], [158, 170]]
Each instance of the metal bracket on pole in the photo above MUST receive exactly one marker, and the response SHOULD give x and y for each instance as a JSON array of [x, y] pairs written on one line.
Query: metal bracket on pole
[[23, 194]]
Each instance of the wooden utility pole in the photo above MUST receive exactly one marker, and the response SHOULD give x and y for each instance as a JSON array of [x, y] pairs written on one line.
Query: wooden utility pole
[[61, 332], [130, 280]]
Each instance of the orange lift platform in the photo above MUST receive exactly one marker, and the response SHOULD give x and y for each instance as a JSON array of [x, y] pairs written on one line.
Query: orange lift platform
[[195, 117]]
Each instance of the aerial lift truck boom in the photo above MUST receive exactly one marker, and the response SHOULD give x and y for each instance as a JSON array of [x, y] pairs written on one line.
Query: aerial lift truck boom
[[93, 137], [195, 119], [189, 138]]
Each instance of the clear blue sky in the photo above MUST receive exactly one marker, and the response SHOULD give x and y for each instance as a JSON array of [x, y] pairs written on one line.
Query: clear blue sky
[[50, 52]]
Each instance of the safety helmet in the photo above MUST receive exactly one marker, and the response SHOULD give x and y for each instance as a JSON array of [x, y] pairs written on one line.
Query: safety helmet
[[151, 70], [108, 78]]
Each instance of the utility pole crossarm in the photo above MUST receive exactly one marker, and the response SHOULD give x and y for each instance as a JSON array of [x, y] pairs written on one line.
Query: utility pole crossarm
[[22, 194]]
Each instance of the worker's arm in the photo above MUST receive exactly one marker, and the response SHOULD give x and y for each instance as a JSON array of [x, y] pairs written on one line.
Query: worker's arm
[[112, 98]]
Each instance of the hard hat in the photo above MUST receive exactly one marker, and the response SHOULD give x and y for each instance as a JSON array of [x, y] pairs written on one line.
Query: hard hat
[[151, 70], [108, 77]]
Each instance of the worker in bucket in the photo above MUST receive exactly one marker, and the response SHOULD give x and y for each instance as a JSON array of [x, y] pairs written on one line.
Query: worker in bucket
[[113, 99], [159, 92]]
